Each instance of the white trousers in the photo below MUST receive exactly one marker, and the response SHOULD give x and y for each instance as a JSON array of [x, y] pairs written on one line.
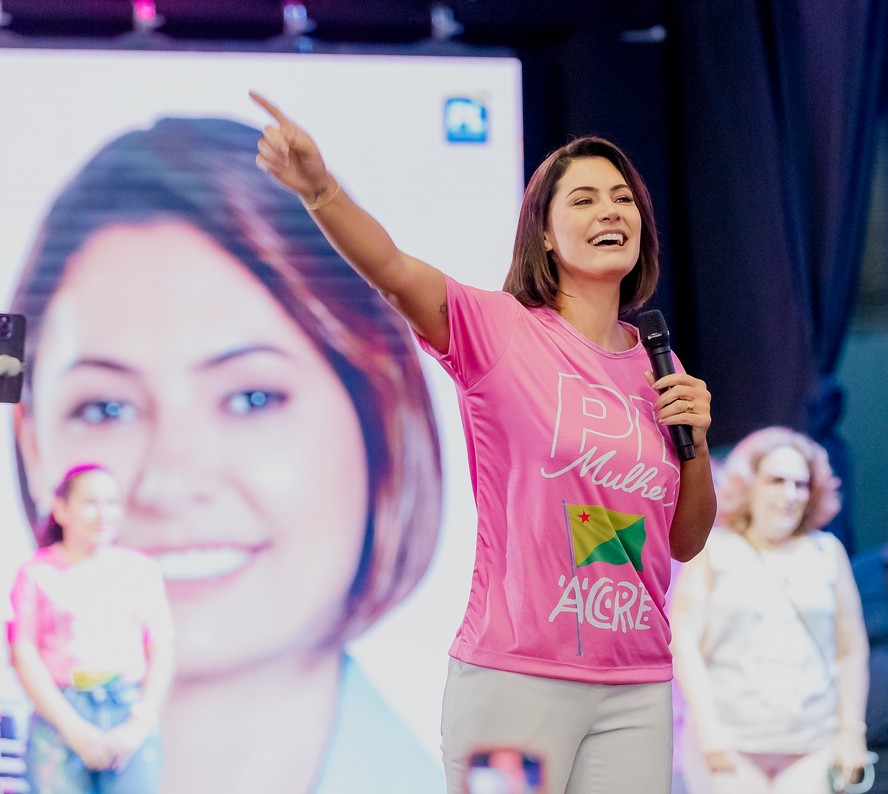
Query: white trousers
[[578, 738]]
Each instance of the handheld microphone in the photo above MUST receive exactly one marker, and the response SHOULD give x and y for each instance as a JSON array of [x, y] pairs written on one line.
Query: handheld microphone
[[655, 338]]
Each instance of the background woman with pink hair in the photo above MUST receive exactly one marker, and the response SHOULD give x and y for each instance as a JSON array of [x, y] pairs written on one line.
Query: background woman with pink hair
[[768, 635]]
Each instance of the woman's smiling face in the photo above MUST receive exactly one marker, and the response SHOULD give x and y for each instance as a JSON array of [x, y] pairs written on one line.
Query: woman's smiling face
[[594, 224], [238, 450], [780, 494], [89, 513]]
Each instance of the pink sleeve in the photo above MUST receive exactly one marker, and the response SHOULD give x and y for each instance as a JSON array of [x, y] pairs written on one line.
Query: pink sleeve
[[481, 324], [24, 623]]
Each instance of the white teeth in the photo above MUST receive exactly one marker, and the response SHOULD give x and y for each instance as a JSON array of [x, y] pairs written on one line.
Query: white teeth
[[195, 564], [609, 237]]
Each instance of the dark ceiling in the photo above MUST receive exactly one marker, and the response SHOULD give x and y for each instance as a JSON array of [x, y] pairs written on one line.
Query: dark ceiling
[[499, 22]]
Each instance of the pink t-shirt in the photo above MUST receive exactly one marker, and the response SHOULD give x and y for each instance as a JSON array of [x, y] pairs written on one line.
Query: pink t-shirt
[[94, 616], [575, 486]]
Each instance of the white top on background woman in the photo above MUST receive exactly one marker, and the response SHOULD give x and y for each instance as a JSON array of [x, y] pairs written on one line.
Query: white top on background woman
[[769, 642]]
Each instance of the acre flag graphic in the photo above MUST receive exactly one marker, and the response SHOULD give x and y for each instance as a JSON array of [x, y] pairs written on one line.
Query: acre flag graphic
[[602, 535]]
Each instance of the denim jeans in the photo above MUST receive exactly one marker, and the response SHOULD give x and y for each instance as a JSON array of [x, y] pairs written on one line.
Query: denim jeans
[[53, 768]]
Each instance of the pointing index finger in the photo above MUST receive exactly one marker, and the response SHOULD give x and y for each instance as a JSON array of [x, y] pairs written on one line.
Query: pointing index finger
[[269, 107]]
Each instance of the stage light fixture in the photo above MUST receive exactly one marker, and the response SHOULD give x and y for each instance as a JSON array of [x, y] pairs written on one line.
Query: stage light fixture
[[297, 22], [656, 34], [444, 23], [145, 17]]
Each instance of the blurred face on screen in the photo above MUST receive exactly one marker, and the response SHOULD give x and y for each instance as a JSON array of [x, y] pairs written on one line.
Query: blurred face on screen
[[90, 513], [238, 449]]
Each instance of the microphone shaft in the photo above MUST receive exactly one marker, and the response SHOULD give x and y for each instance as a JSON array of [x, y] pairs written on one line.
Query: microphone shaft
[[661, 364]]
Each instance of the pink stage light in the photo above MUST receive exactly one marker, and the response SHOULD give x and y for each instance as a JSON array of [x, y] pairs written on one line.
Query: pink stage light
[[145, 15]]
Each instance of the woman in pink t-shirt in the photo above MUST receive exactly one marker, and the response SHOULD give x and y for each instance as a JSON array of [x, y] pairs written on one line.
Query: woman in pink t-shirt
[[562, 657], [91, 641]]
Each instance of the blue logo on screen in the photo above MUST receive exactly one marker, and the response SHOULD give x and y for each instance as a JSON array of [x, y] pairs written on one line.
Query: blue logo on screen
[[465, 120]]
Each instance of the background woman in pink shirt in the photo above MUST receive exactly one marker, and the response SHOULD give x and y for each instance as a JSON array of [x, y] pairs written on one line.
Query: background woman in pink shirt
[[91, 641]]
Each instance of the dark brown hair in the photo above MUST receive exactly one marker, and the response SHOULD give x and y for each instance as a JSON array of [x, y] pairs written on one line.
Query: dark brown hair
[[52, 532], [533, 277]]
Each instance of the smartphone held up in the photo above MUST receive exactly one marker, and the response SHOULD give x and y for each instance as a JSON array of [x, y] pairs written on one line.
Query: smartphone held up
[[504, 770]]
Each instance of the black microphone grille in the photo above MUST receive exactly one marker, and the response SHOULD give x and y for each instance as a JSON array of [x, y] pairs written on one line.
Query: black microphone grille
[[652, 328]]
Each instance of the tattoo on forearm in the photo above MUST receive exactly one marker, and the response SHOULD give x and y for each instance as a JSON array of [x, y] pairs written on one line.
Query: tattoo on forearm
[[443, 309]]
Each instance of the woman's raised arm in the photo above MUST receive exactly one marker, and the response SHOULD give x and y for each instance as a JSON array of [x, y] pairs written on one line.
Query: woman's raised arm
[[414, 288]]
